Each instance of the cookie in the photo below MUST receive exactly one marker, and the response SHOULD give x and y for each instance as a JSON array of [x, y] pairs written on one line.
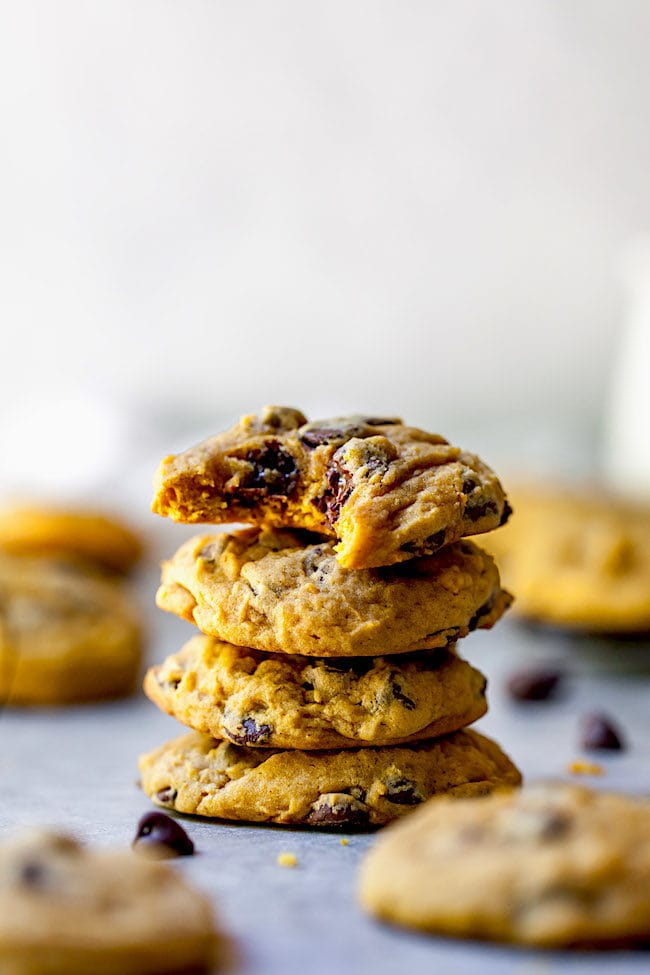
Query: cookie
[[89, 535], [357, 788], [553, 866], [577, 560], [279, 701], [65, 636], [278, 591], [67, 910], [385, 491]]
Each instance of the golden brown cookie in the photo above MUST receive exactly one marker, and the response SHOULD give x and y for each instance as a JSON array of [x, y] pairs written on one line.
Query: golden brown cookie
[[554, 866], [69, 532], [67, 910], [361, 787], [577, 560], [280, 591], [280, 701], [385, 491], [65, 636]]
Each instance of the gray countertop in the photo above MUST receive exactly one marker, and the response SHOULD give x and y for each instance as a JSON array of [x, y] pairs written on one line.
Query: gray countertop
[[76, 768]]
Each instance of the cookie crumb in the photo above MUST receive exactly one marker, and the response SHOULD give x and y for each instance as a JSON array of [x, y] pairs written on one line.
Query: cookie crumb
[[580, 767], [344, 841], [287, 860]]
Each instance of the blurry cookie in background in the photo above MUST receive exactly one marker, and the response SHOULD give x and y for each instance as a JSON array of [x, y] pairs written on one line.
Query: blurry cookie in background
[[66, 635], [53, 531], [578, 559]]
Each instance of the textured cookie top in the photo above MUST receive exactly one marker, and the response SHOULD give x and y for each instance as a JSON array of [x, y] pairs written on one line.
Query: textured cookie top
[[361, 787], [279, 701], [92, 536], [287, 593], [66, 909], [551, 865], [385, 491], [577, 559], [57, 624]]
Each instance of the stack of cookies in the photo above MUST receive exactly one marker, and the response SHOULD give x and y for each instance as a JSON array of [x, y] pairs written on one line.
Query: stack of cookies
[[324, 687]]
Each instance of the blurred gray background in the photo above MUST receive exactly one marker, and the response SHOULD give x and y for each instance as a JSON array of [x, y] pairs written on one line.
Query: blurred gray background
[[407, 207]]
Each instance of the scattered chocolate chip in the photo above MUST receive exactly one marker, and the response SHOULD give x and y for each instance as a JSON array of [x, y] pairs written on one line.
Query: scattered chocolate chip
[[505, 514], [307, 685], [338, 809], [397, 693], [469, 484], [598, 733], [534, 684], [484, 610], [251, 733], [554, 825], [167, 796], [274, 471], [323, 435], [381, 421], [161, 836], [403, 792]]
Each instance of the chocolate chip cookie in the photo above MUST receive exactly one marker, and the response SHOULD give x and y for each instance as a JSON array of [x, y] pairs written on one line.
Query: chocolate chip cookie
[[384, 491], [577, 560], [66, 910], [356, 788], [283, 592], [89, 535], [554, 866], [65, 636], [279, 701]]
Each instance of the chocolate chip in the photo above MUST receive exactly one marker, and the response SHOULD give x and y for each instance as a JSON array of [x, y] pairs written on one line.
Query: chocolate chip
[[251, 733], [374, 421], [338, 809], [161, 836], [274, 471], [534, 684], [323, 435], [32, 873], [554, 825], [403, 792], [396, 691], [505, 514], [338, 490], [476, 512], [469, 484], [598, 733], [167, 796], [484, 610], [426, 546]]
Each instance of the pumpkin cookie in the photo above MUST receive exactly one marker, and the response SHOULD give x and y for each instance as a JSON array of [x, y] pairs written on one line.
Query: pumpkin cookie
[[69, 532], [362, 787], [577, 560], [66, 910], [65, 636], [279, 701], [553, 866], [385, 491], [278, 591]]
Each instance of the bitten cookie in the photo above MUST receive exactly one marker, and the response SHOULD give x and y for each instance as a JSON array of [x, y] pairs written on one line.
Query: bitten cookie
[[385, 491], [577, 560], [88, 535], [65, 636], [551, 865], [361, 787], [65, 910], [279, 701], [282, 592]]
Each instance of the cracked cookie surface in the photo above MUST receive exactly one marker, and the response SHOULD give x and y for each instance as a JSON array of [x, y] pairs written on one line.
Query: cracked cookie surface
[[68, 910], [65, 636], [286, 593], [205, 776], [551, 865], [384, 491], [279, 701]]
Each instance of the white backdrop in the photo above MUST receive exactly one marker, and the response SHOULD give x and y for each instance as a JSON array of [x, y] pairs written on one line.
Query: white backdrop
[[413, 207]]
